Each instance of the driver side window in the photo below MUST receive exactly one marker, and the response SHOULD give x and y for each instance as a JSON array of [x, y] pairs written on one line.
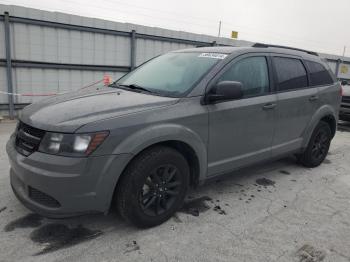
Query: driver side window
[[252, 72]]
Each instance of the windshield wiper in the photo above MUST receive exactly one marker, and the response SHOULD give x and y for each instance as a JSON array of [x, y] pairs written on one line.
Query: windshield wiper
[[136, 87]]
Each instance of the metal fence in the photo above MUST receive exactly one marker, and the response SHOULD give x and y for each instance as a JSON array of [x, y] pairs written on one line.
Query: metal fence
[[45, 52]]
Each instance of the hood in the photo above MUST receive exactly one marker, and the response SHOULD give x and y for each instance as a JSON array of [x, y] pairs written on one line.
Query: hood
[[68, 112]]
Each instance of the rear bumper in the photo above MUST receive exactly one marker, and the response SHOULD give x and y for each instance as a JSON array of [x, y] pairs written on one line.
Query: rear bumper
[[56, 186]]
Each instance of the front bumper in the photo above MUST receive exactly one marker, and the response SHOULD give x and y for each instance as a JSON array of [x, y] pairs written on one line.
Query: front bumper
[[56, 186]]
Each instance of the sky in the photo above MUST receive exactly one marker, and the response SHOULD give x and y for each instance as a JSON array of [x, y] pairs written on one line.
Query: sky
[[317, 25]]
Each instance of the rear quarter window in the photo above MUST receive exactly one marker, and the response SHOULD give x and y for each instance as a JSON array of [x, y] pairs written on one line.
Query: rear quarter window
[[319, 75], [291, 73]]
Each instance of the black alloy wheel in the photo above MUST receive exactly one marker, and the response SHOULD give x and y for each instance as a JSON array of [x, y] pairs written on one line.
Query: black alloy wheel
[[160, 190], [153, 186], [318, 146], [321, 145]]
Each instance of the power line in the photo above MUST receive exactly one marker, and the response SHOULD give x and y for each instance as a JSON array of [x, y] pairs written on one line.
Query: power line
[[158, 17], [183, 23], [267, 32], [279, 34], [177, 14], [206, 19]]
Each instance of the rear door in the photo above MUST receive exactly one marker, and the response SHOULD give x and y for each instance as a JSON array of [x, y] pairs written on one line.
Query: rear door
[[296, 103], [241, 131], [322, 77]]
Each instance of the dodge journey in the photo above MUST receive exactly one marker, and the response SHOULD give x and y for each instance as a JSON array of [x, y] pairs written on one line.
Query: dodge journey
[[177, 120]]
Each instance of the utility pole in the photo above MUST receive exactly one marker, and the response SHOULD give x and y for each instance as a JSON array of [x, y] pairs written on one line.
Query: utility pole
[[219, 29], [344, 52]]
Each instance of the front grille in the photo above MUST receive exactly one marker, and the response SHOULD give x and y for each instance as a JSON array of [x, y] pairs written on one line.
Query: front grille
[[42, 198], [28, 139], [346, 99]]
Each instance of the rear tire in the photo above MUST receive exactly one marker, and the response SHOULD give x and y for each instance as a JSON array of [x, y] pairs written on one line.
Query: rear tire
[[318, 146], [153, 187]]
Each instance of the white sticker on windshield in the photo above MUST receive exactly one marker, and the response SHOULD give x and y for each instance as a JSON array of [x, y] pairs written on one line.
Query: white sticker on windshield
[[213, 55]]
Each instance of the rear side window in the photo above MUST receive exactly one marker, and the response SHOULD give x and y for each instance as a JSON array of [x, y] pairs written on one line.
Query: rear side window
[[291, 73], [319, 75], [252, 72]]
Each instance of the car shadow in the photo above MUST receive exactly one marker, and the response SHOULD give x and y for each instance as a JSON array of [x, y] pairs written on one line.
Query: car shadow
[[62, 233], [112, 221]]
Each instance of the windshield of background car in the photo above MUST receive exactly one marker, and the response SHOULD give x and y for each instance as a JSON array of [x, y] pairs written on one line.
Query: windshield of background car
[[172, 74]]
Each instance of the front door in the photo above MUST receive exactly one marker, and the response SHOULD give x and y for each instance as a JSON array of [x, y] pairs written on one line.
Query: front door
[[241, 131]]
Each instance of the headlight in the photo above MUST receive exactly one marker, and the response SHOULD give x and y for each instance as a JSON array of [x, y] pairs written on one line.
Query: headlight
[[71, 144]]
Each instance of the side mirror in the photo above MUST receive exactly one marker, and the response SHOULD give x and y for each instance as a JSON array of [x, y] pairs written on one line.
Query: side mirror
[[344, 82], [225, 90]]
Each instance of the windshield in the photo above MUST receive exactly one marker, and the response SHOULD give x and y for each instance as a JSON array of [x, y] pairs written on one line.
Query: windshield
[[172, 74]]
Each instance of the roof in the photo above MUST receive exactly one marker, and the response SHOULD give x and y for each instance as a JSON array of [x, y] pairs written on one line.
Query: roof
[[234, 49], [213, 49]]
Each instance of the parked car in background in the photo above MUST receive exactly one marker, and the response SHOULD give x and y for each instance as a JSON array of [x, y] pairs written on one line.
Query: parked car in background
[[172, 123], [344, 113]]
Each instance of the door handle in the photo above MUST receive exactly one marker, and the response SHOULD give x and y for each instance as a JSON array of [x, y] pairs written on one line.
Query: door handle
[[313, 98], [269, 106]]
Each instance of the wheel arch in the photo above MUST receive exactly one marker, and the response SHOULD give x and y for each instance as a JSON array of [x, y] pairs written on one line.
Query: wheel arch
[[183, 148], [178, 137], [325, 113], [331, 121]]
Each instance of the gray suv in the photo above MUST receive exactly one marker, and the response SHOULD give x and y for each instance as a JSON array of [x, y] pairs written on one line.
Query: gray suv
[[172, 123]]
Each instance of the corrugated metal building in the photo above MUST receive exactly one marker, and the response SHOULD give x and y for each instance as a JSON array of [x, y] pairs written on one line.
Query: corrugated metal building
[[55, 52]]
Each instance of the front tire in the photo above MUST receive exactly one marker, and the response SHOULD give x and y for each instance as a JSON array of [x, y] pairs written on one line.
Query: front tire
[[318, 146], [153, 186]]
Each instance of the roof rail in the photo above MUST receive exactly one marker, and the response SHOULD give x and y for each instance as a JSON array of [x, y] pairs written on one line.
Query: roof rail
[[285, 47]]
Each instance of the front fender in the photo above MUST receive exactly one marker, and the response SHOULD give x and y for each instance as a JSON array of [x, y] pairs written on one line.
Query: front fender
[[323, 111], [144, 138]]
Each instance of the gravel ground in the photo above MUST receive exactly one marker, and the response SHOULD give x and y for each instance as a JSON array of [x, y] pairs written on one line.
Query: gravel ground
[[274, 212]]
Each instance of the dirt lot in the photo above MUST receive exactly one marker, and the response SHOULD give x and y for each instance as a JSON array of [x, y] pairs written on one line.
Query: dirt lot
[[275, 212]]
